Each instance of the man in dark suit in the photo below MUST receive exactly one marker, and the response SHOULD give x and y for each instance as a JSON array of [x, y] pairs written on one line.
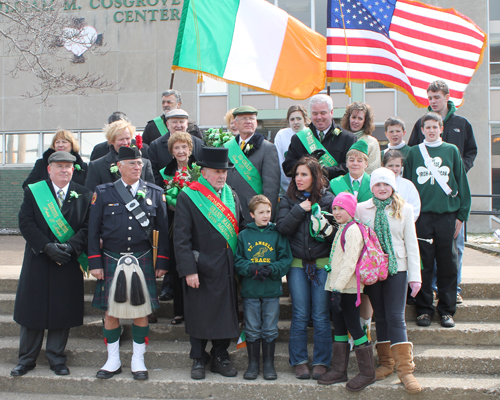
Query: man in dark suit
[[54, 221], [119, 134], [335, 140]]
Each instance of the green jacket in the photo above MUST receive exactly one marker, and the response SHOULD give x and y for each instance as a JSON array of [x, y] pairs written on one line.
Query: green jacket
[[343, 184], [266, 247]]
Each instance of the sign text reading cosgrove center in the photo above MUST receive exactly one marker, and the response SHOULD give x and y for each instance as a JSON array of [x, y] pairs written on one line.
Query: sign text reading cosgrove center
[[150, 10]]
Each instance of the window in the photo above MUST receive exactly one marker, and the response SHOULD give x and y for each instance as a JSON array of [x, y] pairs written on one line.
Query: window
[[212, 86], [494, 38]]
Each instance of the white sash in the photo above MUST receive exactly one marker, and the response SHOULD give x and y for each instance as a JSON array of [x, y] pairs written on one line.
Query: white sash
[[434, 171]]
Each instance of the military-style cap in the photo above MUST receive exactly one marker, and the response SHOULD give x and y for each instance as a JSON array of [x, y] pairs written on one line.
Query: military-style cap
[[129, 153], [62, 156], [177, 113], [244, 110], [361, 146]]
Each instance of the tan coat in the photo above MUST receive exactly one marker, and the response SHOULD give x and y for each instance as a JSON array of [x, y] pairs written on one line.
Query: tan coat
[[404, 236]]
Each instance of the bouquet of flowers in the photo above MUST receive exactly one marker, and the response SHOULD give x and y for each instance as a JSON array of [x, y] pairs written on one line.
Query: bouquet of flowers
[[216, 137], [179, 181]]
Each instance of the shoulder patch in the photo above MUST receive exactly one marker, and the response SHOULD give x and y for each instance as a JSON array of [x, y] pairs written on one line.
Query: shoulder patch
[[94, 198]]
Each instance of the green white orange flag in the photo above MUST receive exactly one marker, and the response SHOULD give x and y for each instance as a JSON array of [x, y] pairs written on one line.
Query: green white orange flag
[[251, 43]]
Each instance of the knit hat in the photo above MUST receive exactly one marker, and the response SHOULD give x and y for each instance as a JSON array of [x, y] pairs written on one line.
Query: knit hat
[[384, 175], [347, 201], [361, 146]]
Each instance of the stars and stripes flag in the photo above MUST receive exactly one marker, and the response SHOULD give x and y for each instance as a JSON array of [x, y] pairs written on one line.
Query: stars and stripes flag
[[403, 44]]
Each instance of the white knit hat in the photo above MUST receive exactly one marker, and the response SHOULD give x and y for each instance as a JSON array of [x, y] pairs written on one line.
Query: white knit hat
[[384, 175]]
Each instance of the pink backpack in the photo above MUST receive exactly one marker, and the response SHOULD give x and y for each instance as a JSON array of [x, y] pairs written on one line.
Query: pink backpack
[[373, 263]]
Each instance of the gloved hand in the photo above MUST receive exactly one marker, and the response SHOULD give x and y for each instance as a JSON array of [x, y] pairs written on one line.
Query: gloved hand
[[263, 271], [56, 254], [336, 296], [253, 270], [317, 154], [66, 247]]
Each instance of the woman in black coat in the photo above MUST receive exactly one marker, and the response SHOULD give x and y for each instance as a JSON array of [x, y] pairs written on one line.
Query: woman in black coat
[[307, 277], [62, 141]]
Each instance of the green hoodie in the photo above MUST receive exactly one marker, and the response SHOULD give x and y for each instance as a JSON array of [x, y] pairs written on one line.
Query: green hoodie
[[260, 247]]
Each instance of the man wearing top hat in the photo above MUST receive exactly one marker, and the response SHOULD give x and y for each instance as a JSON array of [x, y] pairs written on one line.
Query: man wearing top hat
[[123, 216], [206, 225], [256, 164], [54, 221], [177, 121]]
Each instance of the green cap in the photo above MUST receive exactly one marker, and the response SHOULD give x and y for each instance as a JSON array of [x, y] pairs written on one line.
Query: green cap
[[361, 146], [244, 110]]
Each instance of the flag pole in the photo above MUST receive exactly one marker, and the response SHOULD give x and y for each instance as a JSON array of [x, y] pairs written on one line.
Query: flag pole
[[172, 79], [328, 89]]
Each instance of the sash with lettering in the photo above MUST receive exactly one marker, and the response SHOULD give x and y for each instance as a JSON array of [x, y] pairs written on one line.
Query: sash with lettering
[[244, 166], [219, 213], [311, 144], [55, 220], [160, 125]]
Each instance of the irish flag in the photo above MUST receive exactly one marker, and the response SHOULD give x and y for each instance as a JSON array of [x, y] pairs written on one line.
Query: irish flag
[[251, 43]]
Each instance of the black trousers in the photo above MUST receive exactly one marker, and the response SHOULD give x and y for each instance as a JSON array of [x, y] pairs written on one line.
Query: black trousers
[[30, 344], [219, 348], [440, 228], [348, 318]]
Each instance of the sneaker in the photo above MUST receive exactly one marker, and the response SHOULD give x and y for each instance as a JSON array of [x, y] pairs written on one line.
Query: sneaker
[[447, 321], [424, 320], [460, 299]]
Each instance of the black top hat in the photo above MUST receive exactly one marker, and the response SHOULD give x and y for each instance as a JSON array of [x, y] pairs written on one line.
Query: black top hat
[[129, 153], [215, 158]]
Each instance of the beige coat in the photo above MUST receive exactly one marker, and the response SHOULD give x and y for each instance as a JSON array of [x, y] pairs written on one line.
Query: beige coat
[[404, 236], [342, 277]]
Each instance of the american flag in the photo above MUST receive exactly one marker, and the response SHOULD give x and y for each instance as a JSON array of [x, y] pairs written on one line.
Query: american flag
[[403, 44]]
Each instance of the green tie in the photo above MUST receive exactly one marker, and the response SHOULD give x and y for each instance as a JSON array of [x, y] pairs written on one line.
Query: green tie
[[321, 136], [355, 186], [60, 197]]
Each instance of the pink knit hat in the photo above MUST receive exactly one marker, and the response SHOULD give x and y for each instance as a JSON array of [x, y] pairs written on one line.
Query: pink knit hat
[[347, 201]]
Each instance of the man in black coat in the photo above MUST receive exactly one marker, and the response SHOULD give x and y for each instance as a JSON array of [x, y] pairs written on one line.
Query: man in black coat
[[160, 157], [335, 140], [170, 100], [50, 291], [205, 260]]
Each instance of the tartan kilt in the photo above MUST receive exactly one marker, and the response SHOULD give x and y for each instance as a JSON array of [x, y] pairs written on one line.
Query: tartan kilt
[[102, 287]]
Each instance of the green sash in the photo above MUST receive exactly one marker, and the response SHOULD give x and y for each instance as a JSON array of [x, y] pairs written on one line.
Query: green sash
[[164, 175], [55, 220], [219, 213], [160, 125], [244, 166], [343, 184], [311, 144]]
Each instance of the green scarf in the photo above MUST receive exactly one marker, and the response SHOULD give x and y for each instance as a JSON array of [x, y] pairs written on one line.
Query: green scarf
[[381, 228], [226, 195]]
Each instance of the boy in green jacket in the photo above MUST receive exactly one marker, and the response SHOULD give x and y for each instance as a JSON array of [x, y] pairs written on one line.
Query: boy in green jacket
[[437, 170], [263, 257]]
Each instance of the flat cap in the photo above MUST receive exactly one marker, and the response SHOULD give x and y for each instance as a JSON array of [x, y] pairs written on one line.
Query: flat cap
[[62, 156], [177, 113], [244, 110]]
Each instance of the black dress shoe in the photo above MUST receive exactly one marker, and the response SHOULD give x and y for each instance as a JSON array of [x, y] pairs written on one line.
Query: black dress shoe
[[165, 297], [103, 374], [60, 369], [223, 366], [140, 375], [198, 369], [21, 369]]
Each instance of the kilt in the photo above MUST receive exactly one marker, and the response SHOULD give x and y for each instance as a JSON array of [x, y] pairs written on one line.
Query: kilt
[[110, 261]]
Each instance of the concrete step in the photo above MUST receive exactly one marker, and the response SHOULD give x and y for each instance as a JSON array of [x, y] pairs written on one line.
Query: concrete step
[[36, 396], [464, 333], [160, 354], [176, 384]]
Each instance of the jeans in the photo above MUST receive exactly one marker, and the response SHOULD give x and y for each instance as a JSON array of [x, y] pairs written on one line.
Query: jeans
[[460, 248], [308, 301], [261, 318]]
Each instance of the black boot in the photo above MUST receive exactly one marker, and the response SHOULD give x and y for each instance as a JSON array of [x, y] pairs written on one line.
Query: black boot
[[253, 349], [268, 360]]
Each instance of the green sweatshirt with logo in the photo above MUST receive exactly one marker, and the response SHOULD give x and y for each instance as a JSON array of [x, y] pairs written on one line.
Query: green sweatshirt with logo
[[448, 161], [262, 246]]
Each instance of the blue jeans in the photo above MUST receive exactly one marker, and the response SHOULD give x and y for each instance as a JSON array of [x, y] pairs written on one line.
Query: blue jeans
[[460, 247], [308, 301], [261, 318]]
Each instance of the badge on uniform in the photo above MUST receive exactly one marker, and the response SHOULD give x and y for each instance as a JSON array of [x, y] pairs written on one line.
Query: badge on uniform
[[149, 202], [94, 198]]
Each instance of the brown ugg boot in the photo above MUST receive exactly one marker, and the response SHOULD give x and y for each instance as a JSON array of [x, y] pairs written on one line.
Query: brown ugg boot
[[385, 360], [366, 365], [340, 359], [403, 356]]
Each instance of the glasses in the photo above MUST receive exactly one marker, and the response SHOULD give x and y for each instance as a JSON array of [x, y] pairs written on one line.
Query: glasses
[[246, 119], [133, 163]]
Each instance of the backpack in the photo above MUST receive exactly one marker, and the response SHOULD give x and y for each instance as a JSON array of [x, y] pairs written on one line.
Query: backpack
[[373, 263]]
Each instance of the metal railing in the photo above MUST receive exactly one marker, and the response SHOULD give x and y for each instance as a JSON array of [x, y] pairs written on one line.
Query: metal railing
[[479, 212]]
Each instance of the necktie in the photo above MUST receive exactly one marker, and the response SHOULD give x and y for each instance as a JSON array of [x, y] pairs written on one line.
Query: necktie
[[60, 197], [129, 188], [321, 136], [355, 186], [242, 145]]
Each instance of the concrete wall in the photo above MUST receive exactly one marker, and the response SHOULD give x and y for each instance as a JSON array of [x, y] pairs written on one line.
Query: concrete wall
[[11, 195]]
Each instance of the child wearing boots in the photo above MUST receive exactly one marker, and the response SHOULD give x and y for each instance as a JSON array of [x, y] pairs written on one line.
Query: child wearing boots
[[341, 282], [263, 257]]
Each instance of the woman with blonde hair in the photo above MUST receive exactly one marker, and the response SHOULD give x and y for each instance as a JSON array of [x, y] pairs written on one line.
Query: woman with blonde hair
[[61, 141], [229, 119], [358, 119]]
